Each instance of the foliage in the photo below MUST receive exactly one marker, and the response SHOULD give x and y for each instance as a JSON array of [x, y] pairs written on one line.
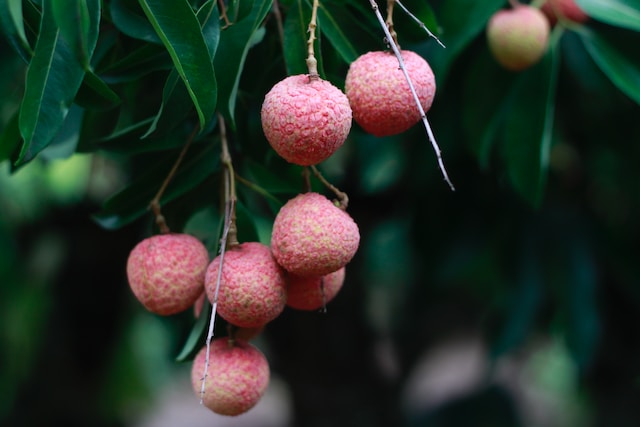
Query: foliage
[[537, 241]]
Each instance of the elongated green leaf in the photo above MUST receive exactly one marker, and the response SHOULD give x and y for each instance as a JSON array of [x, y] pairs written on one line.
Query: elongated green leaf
[[53, 79], [142, 61], [619, 13], [179, 29], [11, 24], [176, 103], [96, 94], [618, 61], [235, 43], [295, 29], [529, 125], [79, 23], [132, 202], [331, 22], [10, 137], [128, 17], [197, 336]]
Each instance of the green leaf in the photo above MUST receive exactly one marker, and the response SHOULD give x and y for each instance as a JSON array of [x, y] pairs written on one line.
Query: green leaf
[[529, 125], [10, 137], [142, 61], [12, 25], [132, 202], [179, 29], [619, 13], [197, 336], [129, 18], [235, 43], [53, 79], [96, 94], [79, 23], [331, 22], [176, 103], [617, 59], [295, 38]]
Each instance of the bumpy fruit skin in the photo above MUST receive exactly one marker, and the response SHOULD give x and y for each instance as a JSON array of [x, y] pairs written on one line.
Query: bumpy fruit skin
[[567, 9], [379, 94], [166, 272], [305, 120], [313, 237], [313, 293], [518, 37], [253, 289], [237, 376]]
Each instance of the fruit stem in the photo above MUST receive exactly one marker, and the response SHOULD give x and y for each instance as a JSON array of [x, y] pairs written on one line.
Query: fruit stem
[[229, 182], [514, 3], [312, 63], [342, 196], [223, 14], [154, 205], [419, 22], [423, 115], [389, 21], [306, 180]]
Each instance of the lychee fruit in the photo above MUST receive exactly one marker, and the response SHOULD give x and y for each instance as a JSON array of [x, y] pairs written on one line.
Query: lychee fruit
[[166, 272], [236, 378], [518, 37], [252, 285], [313, 293], [380, 96], [305, 119], [312, 237], [567, 9]]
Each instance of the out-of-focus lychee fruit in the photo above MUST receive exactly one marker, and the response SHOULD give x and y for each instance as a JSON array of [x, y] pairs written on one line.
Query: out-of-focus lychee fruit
[[313, 293], [518, 37], [567, 9], [252, 286], [166, 272], [380, 96], [236, 378], [312, 237], [305, 119]]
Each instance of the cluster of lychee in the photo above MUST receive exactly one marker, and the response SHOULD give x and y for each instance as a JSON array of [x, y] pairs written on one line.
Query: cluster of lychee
[[518, 37]]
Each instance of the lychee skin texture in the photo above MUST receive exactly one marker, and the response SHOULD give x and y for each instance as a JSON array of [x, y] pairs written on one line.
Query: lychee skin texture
[[305, 120], [237, 376], [313, 293], [313, 237], [166, 272], [518, 37], [567, 9], [379, 94], [253, 289]]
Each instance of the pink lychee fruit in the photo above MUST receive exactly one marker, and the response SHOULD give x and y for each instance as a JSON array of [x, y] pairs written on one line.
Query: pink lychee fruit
[[305, 119], [380, 96], [236, 378], [567, 9], [312, 237], [166, 272], [252, 288], [518, 37], [313, 293]]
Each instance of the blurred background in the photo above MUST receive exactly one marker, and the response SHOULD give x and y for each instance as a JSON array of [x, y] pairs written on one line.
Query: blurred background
[[513, 301]]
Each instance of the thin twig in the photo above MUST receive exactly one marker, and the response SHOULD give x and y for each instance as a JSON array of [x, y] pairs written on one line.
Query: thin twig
[[389, 21], [419, 22], [343, 198], [223, 14], [154, 205], [312, 62], [423, 115], [255, 187]]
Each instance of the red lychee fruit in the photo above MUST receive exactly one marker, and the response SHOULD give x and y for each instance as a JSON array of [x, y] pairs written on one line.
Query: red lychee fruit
[[567, 9], [252, 287], [379, 94], [312, 237], [166, 272], [305, 119], [313, 293], [518, 37], [236, 378]]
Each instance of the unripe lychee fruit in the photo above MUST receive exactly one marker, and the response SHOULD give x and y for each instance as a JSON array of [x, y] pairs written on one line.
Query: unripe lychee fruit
[[380, 96], [313, 293], [236, 378], [518, 37], [166, 272], [312, 237], [305, 119], [252, 286], [567, 9]]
